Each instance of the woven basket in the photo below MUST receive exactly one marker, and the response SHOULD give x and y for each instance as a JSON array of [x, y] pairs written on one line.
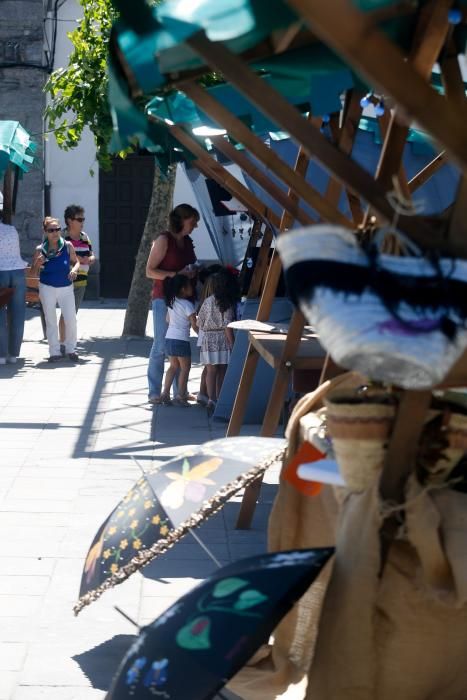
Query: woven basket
[[359, 425], [386, 318]]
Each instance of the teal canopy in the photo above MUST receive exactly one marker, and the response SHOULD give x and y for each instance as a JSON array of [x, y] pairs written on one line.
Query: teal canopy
[[148, 52], [16, 147]]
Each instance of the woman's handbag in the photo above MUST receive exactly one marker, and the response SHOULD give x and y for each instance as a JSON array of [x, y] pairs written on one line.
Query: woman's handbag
[[5, 295], [400, 320]]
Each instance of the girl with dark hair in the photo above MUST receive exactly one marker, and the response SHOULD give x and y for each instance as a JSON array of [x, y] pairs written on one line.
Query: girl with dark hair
[[216, 312], [181, 315], [172, 252]]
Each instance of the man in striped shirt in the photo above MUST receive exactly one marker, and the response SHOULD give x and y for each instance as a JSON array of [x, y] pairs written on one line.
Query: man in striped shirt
[[74, 219]]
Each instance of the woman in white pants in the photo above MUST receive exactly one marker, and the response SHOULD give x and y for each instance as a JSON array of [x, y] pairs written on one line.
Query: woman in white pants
[[54, 258]]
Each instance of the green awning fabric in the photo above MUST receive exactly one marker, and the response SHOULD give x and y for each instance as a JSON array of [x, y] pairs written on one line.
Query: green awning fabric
[[16, 147], [148, 47]]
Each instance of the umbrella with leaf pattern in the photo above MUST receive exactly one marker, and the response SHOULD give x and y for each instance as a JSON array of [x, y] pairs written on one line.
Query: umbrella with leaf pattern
[[205, 638]]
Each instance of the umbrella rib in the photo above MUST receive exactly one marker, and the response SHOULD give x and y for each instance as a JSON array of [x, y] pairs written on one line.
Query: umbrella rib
[[205, 547], [196, 537], [127, 617]]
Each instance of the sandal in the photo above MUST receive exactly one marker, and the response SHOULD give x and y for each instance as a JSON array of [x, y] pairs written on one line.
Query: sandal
[[155, 400], [165, 400], [180, 401], [211, 407]]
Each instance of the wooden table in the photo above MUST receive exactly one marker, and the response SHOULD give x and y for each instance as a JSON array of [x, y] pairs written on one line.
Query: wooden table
[[270, 347], [275, 349]]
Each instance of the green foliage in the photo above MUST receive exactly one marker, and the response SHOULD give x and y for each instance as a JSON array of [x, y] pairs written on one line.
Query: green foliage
[[79, 92]]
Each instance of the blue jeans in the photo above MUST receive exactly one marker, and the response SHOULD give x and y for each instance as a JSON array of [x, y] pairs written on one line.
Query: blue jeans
[[157, 354], [12, 317]]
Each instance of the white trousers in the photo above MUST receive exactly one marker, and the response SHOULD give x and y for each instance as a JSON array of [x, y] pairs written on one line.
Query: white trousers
[[64, 297]]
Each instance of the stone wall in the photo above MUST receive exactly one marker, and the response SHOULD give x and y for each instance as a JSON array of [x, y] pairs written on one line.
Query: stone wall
[[22, 99]]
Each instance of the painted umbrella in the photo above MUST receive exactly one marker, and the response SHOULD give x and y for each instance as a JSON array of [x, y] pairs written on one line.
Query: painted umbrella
[[165, 504], [204, 639]]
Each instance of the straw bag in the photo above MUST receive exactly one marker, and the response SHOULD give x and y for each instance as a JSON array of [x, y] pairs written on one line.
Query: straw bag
[[359, 422], [400, 320]]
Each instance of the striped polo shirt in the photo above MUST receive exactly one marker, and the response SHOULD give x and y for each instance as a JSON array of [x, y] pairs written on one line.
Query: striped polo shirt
[[83, 248]]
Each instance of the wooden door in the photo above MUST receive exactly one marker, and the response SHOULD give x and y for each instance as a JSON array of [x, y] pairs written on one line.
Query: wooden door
[[124, 196]]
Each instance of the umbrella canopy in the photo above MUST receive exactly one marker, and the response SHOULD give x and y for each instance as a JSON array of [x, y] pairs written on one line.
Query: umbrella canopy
[[16, 146], [164, 505], [206, 637]]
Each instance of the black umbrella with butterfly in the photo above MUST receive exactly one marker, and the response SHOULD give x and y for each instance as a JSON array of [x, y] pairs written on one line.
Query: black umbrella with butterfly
[[169, 502], [204, 639]]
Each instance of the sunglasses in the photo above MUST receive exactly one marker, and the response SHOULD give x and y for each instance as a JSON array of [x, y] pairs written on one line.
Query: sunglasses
[[79, 218], [53, 230]]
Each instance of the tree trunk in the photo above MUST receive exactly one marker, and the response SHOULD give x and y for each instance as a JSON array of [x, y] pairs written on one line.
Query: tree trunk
[[136, 315]]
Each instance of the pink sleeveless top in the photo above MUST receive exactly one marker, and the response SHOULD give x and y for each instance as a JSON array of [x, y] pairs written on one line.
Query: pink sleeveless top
[[174, 260]]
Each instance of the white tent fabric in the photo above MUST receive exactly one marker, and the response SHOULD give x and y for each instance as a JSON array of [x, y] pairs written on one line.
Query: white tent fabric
[[230, 247]]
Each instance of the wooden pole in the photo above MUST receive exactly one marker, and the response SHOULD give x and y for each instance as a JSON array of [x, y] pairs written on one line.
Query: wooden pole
[[427, 172]]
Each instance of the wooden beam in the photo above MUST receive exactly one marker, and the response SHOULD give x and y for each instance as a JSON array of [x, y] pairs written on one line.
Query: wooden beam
[[252, 243], [273, 411], [427, 172], [225, 147], [288, 118], [223, 177], [457, 230], [455, 91], [382, 63], [263, 313], [276, 397], [400, 459], [430, 35], [282, 38], [344, 137], [451, 76], [261, 266], [241, 133]]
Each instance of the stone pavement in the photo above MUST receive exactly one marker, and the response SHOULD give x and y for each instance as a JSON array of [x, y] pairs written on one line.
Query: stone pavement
[[67, 433]]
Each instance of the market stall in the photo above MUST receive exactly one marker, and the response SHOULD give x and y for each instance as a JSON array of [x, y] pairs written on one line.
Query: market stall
[[309, 69]]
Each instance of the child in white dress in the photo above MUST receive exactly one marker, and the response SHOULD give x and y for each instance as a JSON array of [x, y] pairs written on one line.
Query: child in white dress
[[216, 312], [181, 315]]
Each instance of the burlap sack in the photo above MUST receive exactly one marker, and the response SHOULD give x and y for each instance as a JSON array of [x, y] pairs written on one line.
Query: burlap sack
[[404, 635], [296, 521]]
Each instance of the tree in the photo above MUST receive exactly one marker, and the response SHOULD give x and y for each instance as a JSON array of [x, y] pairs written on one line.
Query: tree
[[78, 99], [161, 202]]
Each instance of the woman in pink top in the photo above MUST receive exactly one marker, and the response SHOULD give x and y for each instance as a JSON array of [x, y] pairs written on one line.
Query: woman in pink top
[[172, 252]]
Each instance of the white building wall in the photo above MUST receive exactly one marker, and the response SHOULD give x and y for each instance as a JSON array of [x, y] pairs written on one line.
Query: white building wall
[[68, 172]]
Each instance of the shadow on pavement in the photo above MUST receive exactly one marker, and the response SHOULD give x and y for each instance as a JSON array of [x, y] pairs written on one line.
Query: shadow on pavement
[[100, 663]]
